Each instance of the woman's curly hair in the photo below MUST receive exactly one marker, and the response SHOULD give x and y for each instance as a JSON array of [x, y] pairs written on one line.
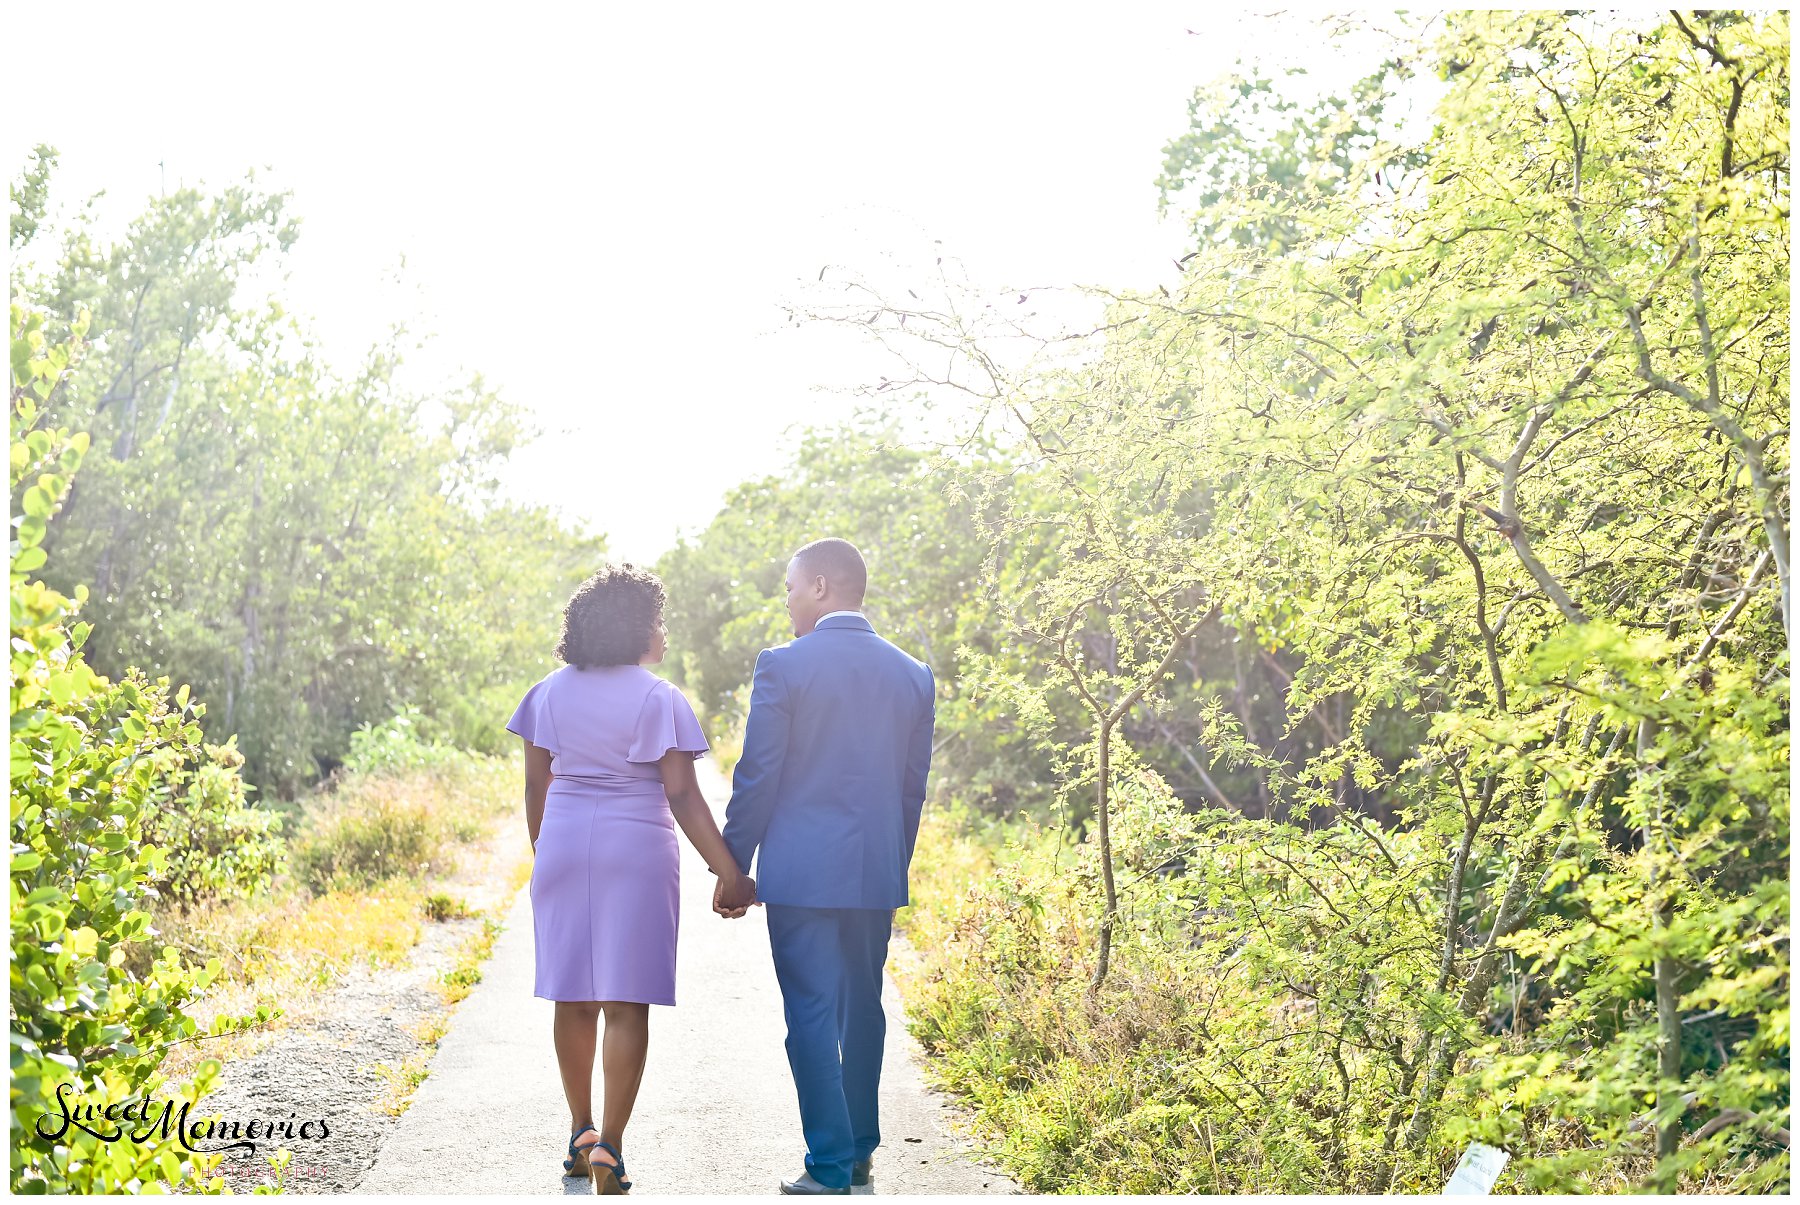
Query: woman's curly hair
[[611, 618]]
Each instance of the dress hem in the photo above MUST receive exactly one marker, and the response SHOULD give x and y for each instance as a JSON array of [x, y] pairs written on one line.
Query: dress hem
[[607, 1000]]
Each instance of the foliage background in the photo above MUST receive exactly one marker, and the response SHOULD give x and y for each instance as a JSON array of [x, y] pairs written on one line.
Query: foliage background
[[1365, 659]]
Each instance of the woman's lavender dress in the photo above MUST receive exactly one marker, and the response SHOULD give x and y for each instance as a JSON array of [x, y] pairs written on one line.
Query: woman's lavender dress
[[605, 890]]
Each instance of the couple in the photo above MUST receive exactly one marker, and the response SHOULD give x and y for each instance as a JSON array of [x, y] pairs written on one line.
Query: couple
[[829, 788]]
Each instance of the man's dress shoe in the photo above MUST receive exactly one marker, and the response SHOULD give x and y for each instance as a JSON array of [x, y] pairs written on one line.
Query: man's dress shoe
[[806, 1186], [861, 1172]]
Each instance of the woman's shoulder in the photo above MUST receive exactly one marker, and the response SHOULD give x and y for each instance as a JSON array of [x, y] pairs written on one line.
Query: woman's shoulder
[[657, 685], [662, 695], [558, 674]]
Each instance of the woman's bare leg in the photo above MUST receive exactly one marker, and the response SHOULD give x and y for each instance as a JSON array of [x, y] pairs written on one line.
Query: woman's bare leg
[[575, 1029], [622, 1053]]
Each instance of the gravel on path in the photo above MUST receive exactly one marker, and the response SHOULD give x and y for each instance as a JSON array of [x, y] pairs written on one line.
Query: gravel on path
[[716, 1112], [329, 1068]]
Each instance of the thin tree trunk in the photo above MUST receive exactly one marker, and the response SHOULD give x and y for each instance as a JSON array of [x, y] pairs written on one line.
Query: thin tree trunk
[[1668, 1013], [1105, 720], [1102, 813], [252, 642]]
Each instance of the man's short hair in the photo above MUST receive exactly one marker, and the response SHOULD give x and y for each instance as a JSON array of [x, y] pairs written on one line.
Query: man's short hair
[[840, 563]]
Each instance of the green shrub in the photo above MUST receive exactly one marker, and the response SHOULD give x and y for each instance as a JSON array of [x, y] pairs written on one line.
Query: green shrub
[[216, 843], [361, 838], [85, 758], [405, 743]]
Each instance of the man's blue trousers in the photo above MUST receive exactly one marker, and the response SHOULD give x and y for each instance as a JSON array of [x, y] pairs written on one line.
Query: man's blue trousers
[[828, 962]]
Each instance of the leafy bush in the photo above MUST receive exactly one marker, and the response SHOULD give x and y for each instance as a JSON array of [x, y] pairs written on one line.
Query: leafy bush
[[215, 842], [402, 745], [361, 839], [85, 759]]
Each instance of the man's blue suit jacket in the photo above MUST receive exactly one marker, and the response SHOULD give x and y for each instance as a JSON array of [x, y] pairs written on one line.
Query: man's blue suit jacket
[[832, 778]]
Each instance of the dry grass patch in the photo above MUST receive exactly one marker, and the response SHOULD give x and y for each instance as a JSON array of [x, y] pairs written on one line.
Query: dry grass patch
[[284, 950]]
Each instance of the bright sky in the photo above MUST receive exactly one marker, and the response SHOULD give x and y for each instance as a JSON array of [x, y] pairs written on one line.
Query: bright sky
[[602, 208]]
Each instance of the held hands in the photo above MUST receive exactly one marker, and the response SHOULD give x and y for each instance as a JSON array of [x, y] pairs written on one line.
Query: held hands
[[734, 897]]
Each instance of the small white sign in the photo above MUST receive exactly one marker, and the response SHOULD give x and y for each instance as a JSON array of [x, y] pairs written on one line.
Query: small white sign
[[1477, 1172]]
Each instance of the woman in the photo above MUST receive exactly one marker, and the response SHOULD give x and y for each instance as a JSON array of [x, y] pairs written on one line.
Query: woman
[[609, 773]]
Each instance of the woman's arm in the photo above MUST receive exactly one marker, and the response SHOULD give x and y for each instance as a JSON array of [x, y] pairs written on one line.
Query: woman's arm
[[696, 820], [537, 784]]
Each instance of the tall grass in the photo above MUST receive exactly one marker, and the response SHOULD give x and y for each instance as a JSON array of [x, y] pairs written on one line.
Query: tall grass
[[1215, 1059], [398, 823]]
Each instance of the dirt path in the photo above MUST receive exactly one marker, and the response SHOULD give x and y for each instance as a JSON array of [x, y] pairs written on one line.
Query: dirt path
[[338, 1067], [716, 1113]]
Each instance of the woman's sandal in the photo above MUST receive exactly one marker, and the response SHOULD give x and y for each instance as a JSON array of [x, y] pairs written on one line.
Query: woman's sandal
[[576, 1165], [609, 1178]]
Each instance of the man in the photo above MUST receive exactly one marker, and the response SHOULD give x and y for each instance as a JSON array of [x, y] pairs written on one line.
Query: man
[[829, 787]]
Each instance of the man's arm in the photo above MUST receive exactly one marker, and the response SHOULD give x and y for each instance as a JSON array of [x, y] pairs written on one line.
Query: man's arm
[[758, 773], [918, 767]]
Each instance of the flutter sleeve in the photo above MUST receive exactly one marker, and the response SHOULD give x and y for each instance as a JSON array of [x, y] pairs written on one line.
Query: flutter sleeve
[[666, 722], [532, 720]]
